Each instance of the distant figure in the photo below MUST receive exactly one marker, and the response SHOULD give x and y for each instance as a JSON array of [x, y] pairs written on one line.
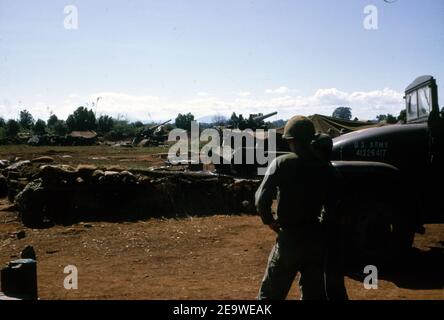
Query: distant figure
[[301, 182]]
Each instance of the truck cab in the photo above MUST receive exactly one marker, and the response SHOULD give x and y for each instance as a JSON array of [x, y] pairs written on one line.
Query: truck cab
[[392, 172], [413, 147]]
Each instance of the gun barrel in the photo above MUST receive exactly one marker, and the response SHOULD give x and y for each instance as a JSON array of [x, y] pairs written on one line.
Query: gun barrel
[[164, 123], [159, 125], [260, 118]]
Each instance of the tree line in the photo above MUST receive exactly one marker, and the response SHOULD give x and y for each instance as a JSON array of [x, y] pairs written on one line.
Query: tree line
[[83, 119], [345, 113]]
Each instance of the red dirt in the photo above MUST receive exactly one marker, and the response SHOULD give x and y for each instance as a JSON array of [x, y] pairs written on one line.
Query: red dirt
[[216, 257]]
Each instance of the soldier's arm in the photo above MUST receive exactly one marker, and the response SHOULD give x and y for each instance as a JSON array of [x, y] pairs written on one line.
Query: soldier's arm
[[266, 193]]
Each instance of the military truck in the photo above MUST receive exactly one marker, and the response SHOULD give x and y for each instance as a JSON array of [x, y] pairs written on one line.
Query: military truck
[[391, 175]]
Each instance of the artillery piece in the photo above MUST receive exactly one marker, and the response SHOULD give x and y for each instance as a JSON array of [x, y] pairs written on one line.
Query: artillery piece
[[153, 135], [247, 141], [255, 121]]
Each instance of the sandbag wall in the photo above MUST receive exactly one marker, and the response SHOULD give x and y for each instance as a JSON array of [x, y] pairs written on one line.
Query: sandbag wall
[[63, 194]]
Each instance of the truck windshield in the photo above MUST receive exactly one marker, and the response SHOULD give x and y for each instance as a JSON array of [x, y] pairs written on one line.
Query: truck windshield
[[424, 101], [412, 106], [419, 103]]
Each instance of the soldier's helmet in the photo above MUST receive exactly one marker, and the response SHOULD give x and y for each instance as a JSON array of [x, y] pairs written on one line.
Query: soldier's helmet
[[322, 145], [299, 128]]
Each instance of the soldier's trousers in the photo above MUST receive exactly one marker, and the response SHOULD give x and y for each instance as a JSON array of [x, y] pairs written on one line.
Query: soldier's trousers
[[295, 251], [334, 263]]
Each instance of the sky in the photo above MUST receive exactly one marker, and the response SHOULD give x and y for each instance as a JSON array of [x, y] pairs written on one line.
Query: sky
[[150, 60]]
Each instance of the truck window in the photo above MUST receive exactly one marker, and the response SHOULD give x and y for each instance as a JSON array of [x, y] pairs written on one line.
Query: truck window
[[424, 101], [412, 106]]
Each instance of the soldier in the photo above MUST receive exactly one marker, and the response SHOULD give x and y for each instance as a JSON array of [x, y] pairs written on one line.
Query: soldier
[[301, 182], [333, 223]]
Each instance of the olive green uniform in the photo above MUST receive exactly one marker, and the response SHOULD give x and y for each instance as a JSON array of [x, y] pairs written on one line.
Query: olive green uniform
[[302, 185], [333, 230]]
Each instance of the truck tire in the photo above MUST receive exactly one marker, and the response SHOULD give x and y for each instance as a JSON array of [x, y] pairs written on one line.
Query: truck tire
[[378, 231]]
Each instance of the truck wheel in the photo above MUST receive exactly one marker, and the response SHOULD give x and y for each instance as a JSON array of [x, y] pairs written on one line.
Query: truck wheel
[[403, 235], [377, 231]]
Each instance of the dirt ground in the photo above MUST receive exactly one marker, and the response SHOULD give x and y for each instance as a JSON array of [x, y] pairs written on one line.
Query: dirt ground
[[216, 257], [100, 155]]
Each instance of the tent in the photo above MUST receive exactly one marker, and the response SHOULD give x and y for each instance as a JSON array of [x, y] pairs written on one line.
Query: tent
[[88, 134], [324, 124], [336, 126]]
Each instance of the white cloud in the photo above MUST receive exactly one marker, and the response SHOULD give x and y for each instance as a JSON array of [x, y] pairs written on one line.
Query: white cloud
[[280, 90], [118, 104], [364, 104], [203, 94], [243, 94]]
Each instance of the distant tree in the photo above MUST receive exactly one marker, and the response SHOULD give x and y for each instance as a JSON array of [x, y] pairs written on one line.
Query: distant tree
[[234, 120], [121, 130], [39, 127], [391, 119], [243, 123], [388, 118], [12, 128], [52, 121], [218, 120], [60, 128], [138, 124], [251, 124], [105, 124], [26, 120], [241, 118], [183, 121], [356, 119], [71, 123], [81, 120], [344, 113], [402, 115], [2, 122], [239, 122]]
